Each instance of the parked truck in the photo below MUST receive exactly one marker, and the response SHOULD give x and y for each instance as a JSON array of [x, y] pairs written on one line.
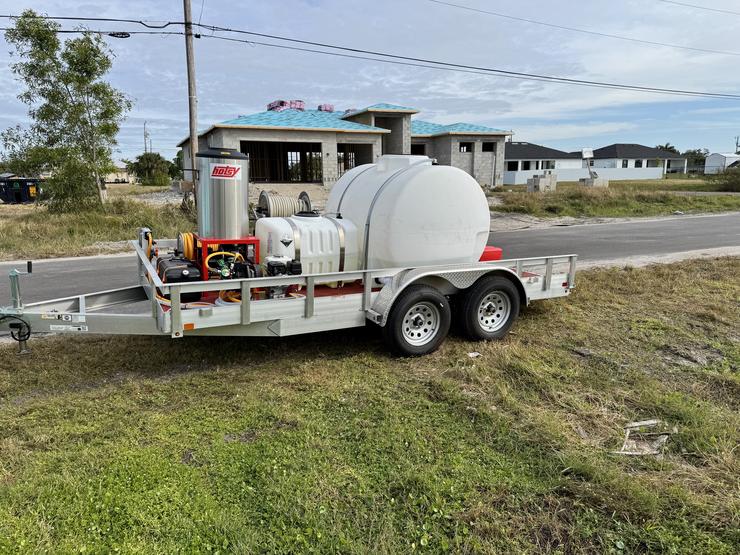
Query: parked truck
[[402, 244]]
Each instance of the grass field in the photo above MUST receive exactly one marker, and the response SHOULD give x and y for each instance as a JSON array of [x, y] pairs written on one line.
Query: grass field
[[117, 190], [325, 444], [29, 231], [671, 184], [623, 200]]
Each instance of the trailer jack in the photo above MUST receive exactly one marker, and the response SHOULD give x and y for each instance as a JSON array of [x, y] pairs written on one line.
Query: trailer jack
[[20, 330]]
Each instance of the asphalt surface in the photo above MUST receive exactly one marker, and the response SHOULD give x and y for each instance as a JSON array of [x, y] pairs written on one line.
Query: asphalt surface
[[60, 278]]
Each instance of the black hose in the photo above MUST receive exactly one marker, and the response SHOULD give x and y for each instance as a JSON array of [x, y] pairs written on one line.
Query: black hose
[[19, 332]]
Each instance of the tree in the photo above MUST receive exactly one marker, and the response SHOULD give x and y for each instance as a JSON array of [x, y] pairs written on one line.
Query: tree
[[75, 114], [176, 166], [668, 147], [695, 157], [151, 168]]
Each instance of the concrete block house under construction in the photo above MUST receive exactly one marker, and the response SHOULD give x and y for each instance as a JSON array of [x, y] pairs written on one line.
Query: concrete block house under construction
[[288, 143]]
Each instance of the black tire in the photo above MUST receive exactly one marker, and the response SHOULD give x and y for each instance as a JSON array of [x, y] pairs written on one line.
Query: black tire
[[479, 322], [431, 315]]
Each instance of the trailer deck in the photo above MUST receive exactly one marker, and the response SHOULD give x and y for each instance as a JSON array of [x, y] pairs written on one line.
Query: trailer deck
[[319, 302]]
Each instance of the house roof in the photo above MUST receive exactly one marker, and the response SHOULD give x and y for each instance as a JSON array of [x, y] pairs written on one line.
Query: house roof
[[312, 120], [382, 107], [300, 119], [295, 120], [429, 129], [530, 151], [630, 150]]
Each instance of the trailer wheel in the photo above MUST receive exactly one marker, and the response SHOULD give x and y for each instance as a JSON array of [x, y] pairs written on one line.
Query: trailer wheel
[[489, 308], [418, 322]]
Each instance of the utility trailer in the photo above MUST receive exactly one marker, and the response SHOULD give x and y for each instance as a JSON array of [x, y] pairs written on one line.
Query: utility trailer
[[414, 306]]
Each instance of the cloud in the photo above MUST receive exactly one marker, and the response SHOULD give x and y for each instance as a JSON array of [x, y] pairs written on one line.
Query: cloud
[[238, 79]]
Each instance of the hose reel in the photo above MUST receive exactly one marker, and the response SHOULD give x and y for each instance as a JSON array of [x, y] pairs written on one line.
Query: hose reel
[[271, 205]]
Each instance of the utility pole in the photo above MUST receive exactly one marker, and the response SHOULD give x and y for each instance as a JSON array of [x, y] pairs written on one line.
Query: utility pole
[[737, 145], [145, 136], [192, 98]]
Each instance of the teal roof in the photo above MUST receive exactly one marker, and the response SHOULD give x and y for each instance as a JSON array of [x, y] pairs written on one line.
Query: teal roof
[[307, 119], [419, 127], [317, 119], [385, 106]]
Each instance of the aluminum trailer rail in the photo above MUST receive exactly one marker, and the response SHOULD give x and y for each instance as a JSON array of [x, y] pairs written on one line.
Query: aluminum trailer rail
[[535, 279]]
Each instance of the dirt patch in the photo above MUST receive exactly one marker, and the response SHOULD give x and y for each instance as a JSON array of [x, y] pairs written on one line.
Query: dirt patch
[[685, 355], [188, 457], [247, 436], [159, 198]]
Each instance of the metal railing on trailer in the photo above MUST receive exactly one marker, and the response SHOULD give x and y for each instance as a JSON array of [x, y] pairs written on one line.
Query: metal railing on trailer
[[538, 278]]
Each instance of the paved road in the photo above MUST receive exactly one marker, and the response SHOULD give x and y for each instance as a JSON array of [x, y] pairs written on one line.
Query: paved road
[[624, 239], [591, 242]]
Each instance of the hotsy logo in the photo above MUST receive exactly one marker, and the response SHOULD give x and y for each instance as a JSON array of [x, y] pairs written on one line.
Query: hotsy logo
[[224, 171]]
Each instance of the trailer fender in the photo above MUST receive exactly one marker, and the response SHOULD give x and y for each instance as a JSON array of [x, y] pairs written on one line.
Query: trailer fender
[[448, 282]]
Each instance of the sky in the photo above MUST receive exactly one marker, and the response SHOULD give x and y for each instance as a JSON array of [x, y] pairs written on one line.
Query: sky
[[235, 79]]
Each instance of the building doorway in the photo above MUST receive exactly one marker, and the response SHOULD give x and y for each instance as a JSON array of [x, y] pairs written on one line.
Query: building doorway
[[278, 162], [351, 155]]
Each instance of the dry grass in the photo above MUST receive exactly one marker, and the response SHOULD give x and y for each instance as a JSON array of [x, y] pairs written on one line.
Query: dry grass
[[671, 184], [323, 443], [613, 202], [31, 231]]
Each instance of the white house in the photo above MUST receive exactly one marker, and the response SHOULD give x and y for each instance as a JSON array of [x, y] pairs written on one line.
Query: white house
[[719, 161], [640, 157], [614, 162], [524, 160]]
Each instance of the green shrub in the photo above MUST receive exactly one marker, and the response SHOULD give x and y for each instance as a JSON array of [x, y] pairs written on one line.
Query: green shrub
[[728, 180]]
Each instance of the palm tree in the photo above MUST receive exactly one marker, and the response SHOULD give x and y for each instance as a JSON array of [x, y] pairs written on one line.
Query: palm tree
[[668, 147]]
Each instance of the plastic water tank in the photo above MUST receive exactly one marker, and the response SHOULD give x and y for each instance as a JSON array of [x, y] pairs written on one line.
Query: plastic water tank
[[322, 245], [412, 213]]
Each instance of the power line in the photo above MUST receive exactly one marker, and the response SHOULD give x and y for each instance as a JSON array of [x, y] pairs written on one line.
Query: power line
[[686, 5], [489, 73], [477, 68], [143, 22], [109, 33], [428, 63], [585, 31]]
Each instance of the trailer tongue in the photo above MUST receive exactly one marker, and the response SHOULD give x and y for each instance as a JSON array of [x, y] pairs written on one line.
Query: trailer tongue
[[399, 240]]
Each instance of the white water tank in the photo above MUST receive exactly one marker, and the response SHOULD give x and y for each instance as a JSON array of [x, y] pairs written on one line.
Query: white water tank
[[322, 245], [412, 213]]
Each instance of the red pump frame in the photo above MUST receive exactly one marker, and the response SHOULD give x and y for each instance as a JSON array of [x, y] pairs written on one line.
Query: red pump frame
[[204, 244]]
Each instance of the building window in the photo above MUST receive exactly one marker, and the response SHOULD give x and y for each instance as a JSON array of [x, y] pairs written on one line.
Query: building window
[[466, 146], [512, 166], [526, 165], [591, 162], [418, 149], [489, 147], [625, 163], [638, 163], [278, 162], [548, 164]]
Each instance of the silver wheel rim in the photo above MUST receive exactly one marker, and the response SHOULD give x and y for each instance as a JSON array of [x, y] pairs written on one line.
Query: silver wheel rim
[[421, 323], [493, 311]]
